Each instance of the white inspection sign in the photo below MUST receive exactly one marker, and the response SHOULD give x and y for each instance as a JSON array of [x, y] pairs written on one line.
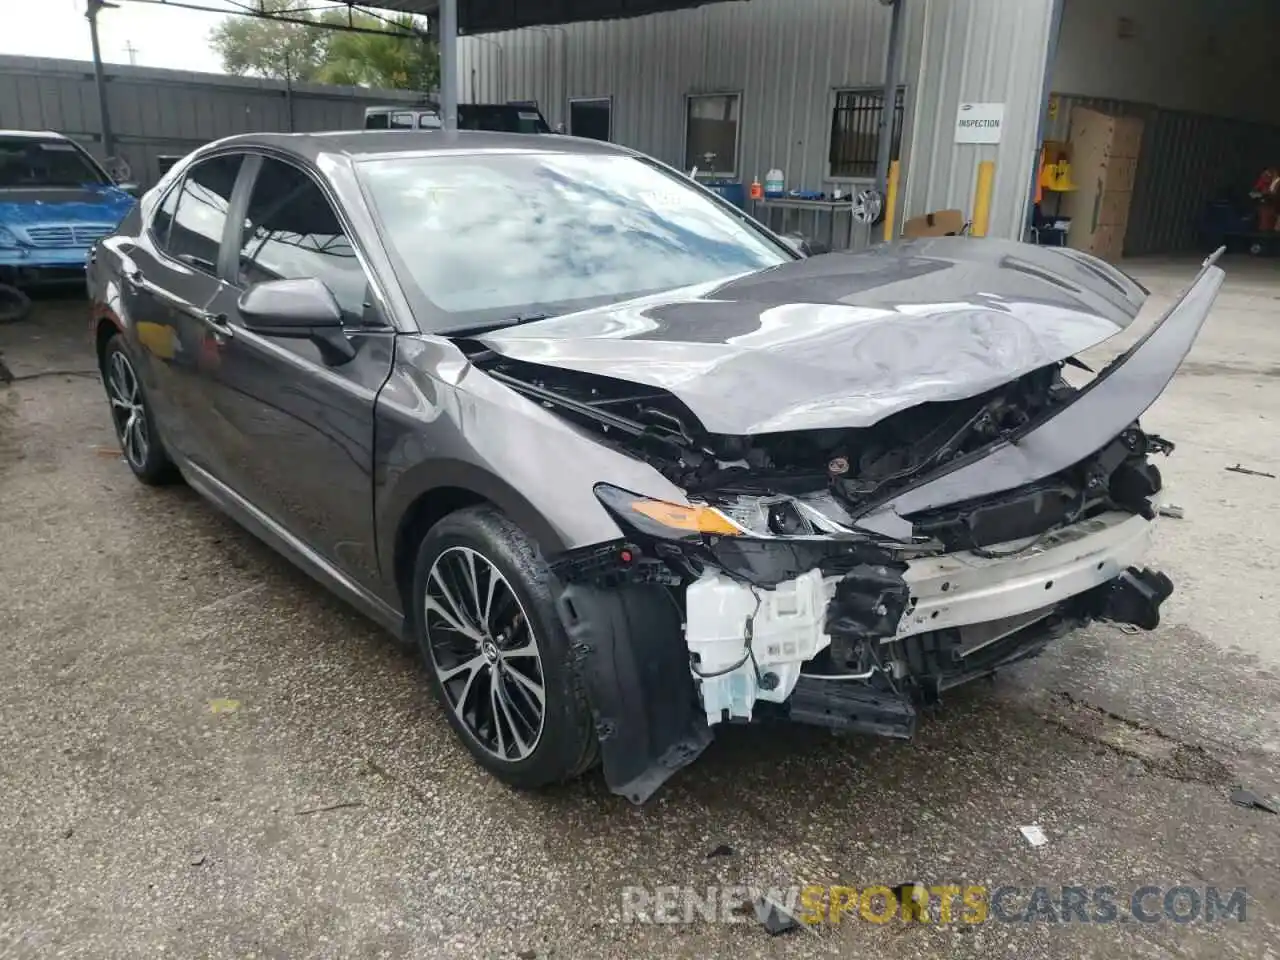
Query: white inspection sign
[[979, 122]]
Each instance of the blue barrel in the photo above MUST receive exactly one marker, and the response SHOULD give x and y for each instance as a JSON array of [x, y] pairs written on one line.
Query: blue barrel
[[731, 190]]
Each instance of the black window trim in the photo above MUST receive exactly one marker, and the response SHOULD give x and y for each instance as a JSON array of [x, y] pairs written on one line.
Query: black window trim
[[253, 164], [162, 248]]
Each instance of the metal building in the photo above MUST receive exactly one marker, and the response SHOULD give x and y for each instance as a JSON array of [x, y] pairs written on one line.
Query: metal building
[[799, 82], [166, 113]]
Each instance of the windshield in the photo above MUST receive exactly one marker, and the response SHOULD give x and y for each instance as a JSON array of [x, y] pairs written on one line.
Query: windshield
[[25, 162], [485, 237]]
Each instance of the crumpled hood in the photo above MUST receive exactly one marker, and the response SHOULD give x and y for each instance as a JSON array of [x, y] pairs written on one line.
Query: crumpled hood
[[845, 340], [35, 206]]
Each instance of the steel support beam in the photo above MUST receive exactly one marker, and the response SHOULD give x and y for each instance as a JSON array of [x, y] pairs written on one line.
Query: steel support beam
[[889, 104], [448, 41], [100, 80]]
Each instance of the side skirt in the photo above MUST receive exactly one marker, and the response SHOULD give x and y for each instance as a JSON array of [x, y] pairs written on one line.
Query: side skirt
[[285, 543]]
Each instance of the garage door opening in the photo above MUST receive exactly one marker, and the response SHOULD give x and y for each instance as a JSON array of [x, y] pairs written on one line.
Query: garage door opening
[[1162, 124]]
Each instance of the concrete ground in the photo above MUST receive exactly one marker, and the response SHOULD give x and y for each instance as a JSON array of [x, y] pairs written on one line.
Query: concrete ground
[[179, 707]]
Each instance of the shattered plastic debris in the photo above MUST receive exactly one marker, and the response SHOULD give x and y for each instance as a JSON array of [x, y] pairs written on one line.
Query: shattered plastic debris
[[1251, 473], [1035, 836], [1247, 798], [1171, 510]]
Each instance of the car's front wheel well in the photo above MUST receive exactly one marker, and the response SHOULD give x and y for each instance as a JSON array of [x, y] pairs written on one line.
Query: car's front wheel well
[[102, 336], [423, 514]]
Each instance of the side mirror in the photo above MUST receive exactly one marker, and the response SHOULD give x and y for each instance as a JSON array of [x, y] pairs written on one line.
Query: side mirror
[[798, 243], [300, 309]]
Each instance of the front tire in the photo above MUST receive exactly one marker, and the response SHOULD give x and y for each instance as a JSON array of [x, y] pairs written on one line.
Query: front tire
[[497, 656], [131, 416]]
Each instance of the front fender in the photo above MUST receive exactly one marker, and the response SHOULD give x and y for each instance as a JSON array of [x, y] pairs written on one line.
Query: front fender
[[442, 423]]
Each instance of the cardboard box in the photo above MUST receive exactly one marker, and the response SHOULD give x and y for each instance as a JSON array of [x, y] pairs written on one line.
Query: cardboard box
[[1105, 155]]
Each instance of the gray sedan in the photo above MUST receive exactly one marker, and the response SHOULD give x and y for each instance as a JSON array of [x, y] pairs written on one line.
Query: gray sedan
[[624, 465]]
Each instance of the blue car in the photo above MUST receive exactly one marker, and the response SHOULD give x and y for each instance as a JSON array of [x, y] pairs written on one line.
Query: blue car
[[55, 202]]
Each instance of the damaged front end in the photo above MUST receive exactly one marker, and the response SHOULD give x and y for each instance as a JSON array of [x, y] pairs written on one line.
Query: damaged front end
[[848, 577]]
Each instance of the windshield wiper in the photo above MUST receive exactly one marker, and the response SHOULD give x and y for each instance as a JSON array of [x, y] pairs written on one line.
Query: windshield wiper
[[492, 325]]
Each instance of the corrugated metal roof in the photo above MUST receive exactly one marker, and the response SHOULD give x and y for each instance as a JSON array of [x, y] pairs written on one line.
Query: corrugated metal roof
[[478, 16]]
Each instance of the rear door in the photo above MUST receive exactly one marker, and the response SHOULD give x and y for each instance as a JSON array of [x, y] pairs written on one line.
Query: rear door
[[294, 434], [168, 284]]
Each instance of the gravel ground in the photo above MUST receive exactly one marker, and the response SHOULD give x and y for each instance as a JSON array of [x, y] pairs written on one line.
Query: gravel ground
[[204, 754]]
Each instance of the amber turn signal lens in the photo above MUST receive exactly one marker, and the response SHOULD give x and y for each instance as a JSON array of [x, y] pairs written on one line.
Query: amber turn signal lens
[[693, 519]]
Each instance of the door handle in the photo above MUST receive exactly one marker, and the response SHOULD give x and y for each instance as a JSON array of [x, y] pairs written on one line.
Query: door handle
[[217, 322]]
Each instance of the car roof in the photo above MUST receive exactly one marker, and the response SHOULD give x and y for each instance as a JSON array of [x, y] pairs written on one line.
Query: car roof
[[360, 144], [34, 134]]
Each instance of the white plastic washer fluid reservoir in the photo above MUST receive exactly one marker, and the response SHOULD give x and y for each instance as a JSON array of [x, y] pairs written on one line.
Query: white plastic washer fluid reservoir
[[786, 628]]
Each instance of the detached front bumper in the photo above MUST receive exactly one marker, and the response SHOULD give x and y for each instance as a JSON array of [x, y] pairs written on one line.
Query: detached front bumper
[[659, 677], [955, 605]]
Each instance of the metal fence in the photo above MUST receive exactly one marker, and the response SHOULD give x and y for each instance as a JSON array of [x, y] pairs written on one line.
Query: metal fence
[[156, 114], [1186, 160]]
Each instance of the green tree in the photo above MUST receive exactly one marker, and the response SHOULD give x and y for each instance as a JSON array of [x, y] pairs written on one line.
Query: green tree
[[389, 59], [398, 55], [271, 48]]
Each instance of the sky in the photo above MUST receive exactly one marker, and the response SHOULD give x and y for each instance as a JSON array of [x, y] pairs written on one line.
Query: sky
[[160, 37]]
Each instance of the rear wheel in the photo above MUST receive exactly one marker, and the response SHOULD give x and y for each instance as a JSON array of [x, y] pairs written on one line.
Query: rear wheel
[[497, 655], [131, 416]]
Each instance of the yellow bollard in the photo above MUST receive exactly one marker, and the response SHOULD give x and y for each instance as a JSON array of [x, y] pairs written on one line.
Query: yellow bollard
[[891, 203], [982, 199]]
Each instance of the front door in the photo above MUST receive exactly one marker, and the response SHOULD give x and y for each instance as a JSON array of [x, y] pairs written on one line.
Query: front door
[[292, 433]]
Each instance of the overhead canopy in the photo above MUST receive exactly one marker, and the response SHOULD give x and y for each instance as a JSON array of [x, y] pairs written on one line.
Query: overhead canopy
[[481, 16]]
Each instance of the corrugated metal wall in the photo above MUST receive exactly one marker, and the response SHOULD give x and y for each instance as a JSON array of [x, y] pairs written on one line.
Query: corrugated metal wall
[[979, 51], [1186, 159], [155, 112], [785, 57]]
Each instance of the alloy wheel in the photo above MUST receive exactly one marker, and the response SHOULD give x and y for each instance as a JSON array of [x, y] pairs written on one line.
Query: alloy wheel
[[484, 653], [127, 410]]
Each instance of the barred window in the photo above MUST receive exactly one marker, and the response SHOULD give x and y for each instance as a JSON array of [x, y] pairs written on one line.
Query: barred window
[[855, 131]]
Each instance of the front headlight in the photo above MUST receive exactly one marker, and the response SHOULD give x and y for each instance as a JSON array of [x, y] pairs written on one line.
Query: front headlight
[[7, 238], [663, 520]]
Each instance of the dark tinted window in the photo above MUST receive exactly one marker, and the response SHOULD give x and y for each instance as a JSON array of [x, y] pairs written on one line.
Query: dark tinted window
[[203, 203], [501, 118], [293, 232], [376, 121], [590, 118]]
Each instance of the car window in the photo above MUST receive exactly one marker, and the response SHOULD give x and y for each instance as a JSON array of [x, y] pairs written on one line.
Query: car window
[[28, 162], [292, 231], [201, 216], [376, 121], [163, 217], [402, 121]]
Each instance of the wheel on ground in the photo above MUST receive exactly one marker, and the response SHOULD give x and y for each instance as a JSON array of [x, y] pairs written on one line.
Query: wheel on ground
[[497, 655], [131, 416]]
